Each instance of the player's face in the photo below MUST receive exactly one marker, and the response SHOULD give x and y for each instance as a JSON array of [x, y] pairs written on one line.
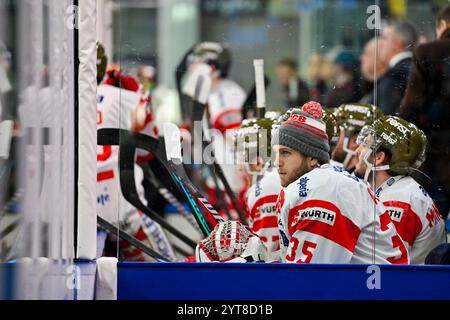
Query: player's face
[[249, 169], [352, 145], [339, 154], [291, 164], [361, 151]]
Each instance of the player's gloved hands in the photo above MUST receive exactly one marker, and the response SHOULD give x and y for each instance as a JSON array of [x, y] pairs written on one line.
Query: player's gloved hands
[[231, 241]]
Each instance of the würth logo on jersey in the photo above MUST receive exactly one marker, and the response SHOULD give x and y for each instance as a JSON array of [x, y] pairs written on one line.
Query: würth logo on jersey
[[395, 213], [316, 214]]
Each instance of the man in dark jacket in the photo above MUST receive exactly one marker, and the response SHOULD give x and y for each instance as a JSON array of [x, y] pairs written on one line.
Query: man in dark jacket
[[396, 42], [295, 89], [427, 104]]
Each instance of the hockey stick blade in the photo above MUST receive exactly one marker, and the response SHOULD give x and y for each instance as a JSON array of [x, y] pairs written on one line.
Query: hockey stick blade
[[127, 179], [176, 172]]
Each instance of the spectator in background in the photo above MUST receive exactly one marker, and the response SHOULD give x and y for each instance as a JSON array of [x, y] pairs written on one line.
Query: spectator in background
[[397, 41], [347, 87], [369, 70], [427, 104], [318, 73], [296, 90]]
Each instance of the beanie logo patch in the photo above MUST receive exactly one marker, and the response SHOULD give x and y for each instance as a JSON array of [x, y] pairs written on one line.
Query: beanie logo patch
[[322, 136], [310, 122]]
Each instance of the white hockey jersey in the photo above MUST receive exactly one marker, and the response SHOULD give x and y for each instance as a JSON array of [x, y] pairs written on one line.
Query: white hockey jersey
[[261, 202], [224, 111], [329, 216], [414, 215], [336, 163], [225, 105]]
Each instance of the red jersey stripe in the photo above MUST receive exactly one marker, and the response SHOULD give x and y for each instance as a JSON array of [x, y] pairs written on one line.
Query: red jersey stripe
[[265, 223], [105, 175], [261, 201], [342, 231], [222, 127], [410, 225]]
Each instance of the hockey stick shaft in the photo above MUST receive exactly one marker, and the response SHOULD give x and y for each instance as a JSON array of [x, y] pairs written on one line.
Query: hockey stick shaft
[[127, 177], [250, 101], [230, 193], [111, 136], [199, 109], [129, 238], [220, 200], [260, 87], [128, 186], [170, 198]]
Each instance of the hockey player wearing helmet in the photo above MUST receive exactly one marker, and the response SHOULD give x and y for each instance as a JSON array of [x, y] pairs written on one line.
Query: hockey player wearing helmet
[[351, 119], [223, 112], [388, 152], [325, 214], [253, 145], [226, 97]]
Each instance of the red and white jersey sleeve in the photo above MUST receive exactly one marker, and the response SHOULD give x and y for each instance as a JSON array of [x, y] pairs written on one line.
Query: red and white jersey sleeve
[[261, 201], [225, 105], [414, 215], [328, 216], [114, 106]]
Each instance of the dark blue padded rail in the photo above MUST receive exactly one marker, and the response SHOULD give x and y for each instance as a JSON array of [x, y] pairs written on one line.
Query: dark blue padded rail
[[7, 276], [222, 281]]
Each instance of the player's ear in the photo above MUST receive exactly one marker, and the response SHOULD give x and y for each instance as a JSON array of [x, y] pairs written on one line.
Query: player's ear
[[312, 162], [381, 158]]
